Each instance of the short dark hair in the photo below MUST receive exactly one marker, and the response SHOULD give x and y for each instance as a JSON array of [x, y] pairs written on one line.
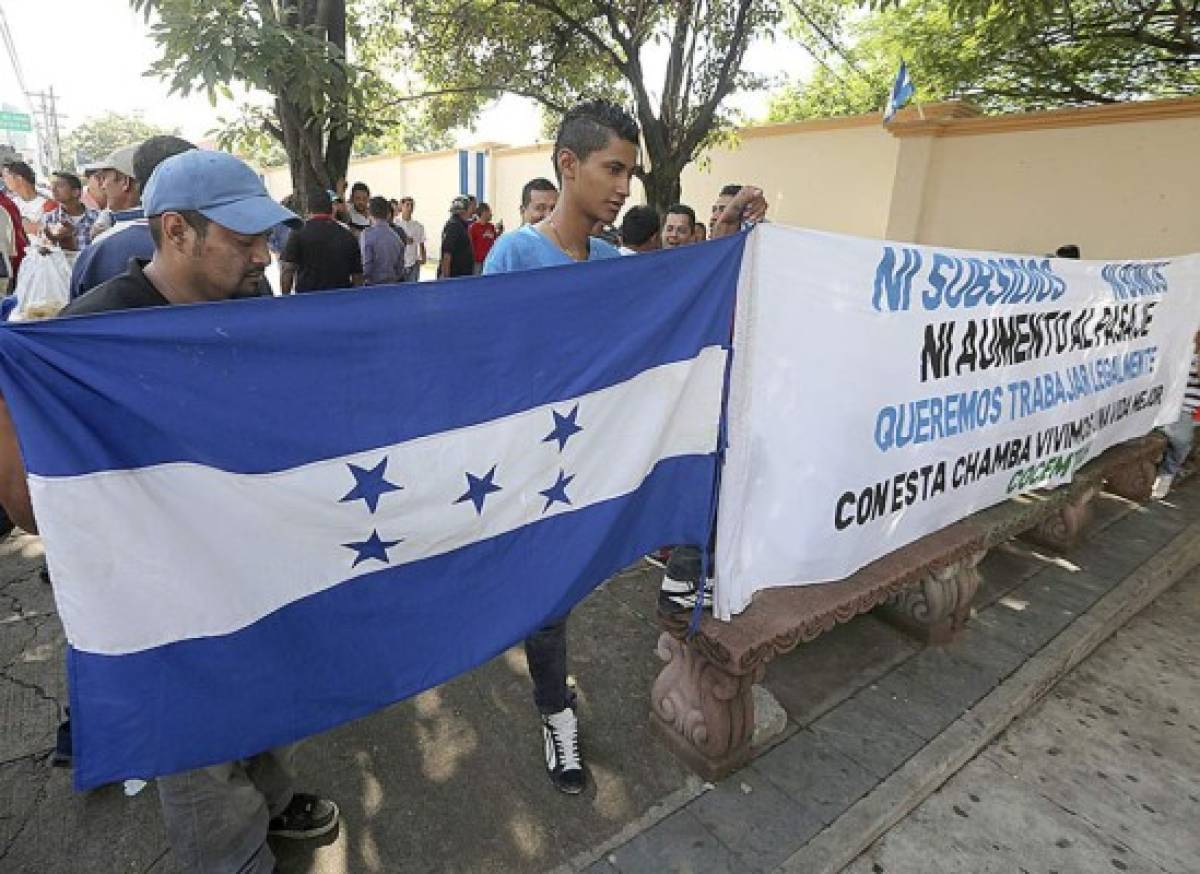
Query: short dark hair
[[379, 207], [69, 178], [730, 190], [20, 168], [198, 222], [681, 209], [639, 225], [1070, 250], [359, 186], [541, 183], [153, 152], [320, 201], [587, 127]]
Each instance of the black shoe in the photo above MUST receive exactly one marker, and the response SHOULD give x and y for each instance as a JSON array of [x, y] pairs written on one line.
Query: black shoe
[[306, 816], [679, 596], [560, 734], [61, 757]]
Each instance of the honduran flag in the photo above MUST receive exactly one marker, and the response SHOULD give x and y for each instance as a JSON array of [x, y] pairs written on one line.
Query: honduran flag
[[264, 518]]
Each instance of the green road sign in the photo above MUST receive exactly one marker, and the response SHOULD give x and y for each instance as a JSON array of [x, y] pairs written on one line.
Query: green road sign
[[17, 121]]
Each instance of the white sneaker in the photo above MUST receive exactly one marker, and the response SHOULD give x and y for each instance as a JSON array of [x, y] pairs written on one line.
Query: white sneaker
[[1162, 485], [680, 596], [560, 734]]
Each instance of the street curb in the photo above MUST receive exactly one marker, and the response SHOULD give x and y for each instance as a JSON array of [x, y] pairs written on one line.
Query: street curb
[[874, 815], [692, 789]]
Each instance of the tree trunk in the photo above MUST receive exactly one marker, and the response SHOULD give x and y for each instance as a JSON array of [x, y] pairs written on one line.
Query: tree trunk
[[318, 151], [662, 185]]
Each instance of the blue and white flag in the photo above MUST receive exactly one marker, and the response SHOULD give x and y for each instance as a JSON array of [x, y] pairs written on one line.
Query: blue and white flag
[[902, 92], [265, 518]]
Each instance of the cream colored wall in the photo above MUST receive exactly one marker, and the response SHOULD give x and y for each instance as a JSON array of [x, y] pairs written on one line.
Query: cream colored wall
[[278, 181], [1127, 190], [384, 175], [833, 179], [432, 181], [508, 171]]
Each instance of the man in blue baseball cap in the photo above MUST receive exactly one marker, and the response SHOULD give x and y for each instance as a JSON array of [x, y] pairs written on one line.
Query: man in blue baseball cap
[[209, 216]]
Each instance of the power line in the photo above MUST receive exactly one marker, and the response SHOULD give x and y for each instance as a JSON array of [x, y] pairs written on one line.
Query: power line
[[49, 123]]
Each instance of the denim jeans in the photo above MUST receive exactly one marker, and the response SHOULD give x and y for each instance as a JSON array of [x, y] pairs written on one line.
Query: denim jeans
[[1179, 444], [546, 652], [216, 817]]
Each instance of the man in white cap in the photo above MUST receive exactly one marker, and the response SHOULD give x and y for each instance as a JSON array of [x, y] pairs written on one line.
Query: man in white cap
[[123, 175], [209, 216]]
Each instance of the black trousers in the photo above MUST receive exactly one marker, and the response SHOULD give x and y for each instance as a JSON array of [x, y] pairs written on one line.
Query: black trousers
[[546, 652]]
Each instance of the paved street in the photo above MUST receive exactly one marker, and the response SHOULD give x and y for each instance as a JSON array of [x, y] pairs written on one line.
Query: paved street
[[1103, 775]]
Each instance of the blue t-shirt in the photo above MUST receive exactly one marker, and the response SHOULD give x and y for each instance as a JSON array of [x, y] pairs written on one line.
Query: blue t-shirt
[[527, 249], [109, 253]]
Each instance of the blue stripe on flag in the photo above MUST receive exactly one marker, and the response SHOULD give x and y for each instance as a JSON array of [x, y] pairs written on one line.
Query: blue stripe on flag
[[266, 385], [349, 650]]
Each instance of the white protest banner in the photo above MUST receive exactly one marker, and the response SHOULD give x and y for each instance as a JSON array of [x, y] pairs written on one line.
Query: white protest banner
[[882, 391]]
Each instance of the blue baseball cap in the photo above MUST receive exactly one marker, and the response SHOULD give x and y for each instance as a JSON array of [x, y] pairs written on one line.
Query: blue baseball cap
[[217, 185]]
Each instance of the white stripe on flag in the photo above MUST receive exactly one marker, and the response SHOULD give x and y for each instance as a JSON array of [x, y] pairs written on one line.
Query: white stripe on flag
[[228, 549]]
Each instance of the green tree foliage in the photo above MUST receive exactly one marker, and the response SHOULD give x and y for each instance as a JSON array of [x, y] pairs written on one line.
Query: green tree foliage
[[1002, 56], [103, 134], [559, 51], [295, 51]]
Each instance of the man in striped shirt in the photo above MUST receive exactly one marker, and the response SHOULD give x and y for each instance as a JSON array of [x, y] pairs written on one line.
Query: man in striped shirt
[[1180, 433]]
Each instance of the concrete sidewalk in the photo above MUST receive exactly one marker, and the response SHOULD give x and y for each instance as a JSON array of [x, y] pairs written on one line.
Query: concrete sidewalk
[[453, 781], [1104, 775]]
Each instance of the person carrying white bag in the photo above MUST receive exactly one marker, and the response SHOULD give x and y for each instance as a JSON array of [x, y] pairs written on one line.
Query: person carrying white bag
[[44, 288]]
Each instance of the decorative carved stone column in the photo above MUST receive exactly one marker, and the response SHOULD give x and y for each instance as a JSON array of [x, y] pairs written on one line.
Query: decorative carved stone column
[[1063, 530], [935, 609], [1133, 481], [704, 713]]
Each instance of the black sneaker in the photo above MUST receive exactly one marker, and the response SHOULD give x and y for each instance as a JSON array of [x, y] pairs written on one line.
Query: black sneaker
[[679, 596], [61, 757], [560, 734], [306, 816]]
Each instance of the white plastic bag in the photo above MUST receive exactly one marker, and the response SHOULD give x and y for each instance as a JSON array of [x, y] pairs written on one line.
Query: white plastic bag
[[44, 286]]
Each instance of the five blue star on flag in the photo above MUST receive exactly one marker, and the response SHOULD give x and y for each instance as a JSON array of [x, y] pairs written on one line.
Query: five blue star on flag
[[565, 427], [373, 548], [478, 488], [557, 493], [369, 485]]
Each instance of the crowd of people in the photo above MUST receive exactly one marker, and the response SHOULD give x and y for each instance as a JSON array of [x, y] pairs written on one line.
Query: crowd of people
[[162, 223], [94, 222]]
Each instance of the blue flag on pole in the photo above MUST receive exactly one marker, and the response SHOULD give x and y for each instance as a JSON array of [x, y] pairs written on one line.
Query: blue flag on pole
[[264, 518], [902, 92]]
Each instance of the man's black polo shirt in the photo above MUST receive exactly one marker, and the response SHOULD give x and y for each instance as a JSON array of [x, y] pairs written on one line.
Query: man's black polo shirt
[[131, 290], [125, 291], [457, 243], [326, 255]]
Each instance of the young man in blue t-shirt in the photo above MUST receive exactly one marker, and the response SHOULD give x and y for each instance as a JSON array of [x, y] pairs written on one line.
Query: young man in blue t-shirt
[[594, 157]]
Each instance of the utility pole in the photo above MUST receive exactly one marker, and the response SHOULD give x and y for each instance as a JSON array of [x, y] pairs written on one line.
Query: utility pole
[[48, 126]]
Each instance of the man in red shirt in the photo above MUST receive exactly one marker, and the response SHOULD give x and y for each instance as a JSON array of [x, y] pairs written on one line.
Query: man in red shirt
[[14, 243], [483, 236]]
